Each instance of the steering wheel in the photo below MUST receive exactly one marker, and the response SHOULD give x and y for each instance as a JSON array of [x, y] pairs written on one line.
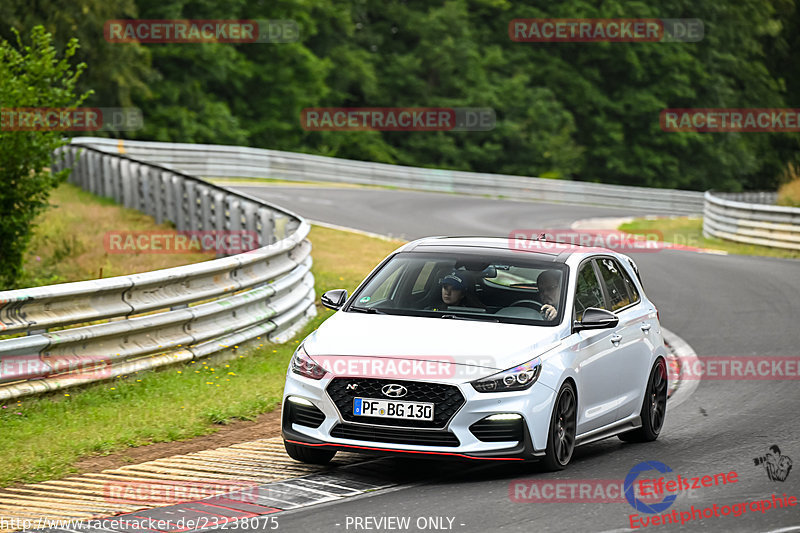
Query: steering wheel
[[536, 306]]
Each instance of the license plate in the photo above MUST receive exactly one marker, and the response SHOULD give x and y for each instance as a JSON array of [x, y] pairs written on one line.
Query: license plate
[[392, 409]]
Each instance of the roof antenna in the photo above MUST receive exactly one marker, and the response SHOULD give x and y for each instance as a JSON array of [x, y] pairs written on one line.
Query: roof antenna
[[542, 237]]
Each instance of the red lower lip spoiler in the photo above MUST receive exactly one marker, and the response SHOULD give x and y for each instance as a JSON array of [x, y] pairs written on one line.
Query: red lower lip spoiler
[[410, 451]]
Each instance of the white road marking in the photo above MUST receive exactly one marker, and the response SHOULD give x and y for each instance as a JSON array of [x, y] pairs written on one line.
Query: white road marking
[[353, 230], [687, 356]]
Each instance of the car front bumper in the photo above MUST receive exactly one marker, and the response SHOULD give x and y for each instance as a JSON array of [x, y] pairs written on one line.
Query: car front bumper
[[533, 405]]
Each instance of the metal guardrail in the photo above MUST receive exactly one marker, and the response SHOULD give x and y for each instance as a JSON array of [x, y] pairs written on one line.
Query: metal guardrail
[[750, 197], [219, 161], [165, 316], [726, 217]]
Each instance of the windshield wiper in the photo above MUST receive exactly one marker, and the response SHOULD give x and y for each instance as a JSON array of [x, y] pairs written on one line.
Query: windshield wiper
[[462, 317], [371, 310]]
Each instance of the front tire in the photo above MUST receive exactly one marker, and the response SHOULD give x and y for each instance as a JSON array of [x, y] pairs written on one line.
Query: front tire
[[654, 407], [561, 437], [305, 454]]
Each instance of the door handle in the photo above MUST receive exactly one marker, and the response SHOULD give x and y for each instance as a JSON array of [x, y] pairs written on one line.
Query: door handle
[[646, 327], [616, 338]]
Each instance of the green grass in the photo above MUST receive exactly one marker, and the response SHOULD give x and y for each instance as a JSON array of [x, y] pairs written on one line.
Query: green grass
[[68, 242], [43, 437], [789, 193], [689, 232]]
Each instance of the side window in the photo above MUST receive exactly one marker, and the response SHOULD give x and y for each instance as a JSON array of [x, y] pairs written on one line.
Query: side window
[[616, 283], [635, 269], [631, 286], [587, 293]]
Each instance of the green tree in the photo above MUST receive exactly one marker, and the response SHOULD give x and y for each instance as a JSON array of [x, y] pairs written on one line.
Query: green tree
[[582, 111], [115, 72], [31, 75]]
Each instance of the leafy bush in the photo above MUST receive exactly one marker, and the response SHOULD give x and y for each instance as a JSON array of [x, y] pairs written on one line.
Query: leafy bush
[[30, 76]]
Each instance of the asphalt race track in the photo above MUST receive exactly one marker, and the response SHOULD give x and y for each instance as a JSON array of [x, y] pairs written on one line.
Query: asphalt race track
[[720, 305]]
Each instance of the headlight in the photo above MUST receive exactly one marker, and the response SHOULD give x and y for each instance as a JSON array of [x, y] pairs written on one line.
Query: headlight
[[518, 378], [302, 364]]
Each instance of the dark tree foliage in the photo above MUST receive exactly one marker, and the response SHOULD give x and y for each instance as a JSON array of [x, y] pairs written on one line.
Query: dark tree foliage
[[583, 111]]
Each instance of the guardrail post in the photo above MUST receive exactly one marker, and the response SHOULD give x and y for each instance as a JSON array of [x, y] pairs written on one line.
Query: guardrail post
[[160, 195], [126, 182], [146, 184], [115, 166], [192, 206], [106, 177], [218, 207], [93, 172], [72, 162], [280, 226], [266, 226], [235, 214], [206, 214], [74, 155], [178, 203], [249, 215], [706, 209]]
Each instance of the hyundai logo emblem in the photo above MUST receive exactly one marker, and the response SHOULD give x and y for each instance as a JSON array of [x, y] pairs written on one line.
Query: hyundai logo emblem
[[393, 390]]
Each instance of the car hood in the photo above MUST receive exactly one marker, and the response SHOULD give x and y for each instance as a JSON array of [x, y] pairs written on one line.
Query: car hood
[[484, 347]]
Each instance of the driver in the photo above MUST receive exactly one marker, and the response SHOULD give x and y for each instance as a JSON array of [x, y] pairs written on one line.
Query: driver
[[548, 284]]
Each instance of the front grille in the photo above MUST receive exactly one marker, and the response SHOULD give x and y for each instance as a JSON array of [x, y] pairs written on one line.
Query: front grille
[[497, 430], [306, 415], [447, 400], [420, 437]]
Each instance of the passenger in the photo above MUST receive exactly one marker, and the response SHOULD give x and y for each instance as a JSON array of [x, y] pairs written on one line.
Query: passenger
[[453, 289], [548, 284], [455, 293]]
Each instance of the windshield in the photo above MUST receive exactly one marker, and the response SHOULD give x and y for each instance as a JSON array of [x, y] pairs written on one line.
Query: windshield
[[466, 286]]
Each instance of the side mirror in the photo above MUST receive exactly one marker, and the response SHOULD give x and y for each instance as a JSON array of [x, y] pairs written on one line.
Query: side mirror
[[594, 318], [334, 299]]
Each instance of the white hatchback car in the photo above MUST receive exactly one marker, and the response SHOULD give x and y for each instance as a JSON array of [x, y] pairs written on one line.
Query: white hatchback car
[[462, 347]]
